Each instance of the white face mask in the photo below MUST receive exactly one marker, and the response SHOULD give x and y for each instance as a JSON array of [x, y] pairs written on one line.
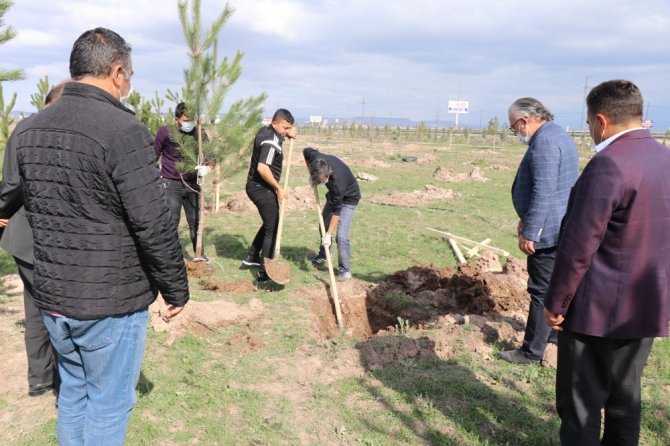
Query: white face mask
[[124, 99], [523, 138], [187, 127], [597, 147]]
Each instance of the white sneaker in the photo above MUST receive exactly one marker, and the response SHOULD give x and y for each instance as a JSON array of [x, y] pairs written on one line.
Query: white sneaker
[[343, 276]]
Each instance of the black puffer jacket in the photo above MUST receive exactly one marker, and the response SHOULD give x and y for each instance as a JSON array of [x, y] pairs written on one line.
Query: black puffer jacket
[[104, 244]]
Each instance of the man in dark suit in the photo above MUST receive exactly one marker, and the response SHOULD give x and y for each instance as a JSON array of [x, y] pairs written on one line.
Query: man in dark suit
[[17, 239], [540, 193], [608, 295]]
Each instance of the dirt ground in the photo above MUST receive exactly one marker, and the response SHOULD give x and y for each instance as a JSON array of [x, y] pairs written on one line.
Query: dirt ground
[[488, 298]]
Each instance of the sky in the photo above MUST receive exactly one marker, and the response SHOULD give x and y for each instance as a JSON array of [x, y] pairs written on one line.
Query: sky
[[375, 58]]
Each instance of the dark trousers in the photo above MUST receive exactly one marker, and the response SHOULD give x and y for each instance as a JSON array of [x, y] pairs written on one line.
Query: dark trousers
[[268, 207], [595, 373], [187, 195], [540, 266], [42, 370]]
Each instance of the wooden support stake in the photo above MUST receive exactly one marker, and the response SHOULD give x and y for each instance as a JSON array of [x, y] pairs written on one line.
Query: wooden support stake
[[475, 250], [457, 251], [502, 252]]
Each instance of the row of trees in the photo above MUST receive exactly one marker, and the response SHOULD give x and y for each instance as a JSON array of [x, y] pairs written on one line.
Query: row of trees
[[207, 80]]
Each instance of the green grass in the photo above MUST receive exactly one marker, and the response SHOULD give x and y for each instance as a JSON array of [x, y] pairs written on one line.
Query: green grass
[[215, 392]]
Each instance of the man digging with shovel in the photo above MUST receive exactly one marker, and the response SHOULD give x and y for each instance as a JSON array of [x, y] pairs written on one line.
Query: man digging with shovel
[[263, 187], [338, 213]]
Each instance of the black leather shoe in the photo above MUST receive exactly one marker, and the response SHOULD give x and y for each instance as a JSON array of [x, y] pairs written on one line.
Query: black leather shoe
[[39, 389], [263, 278], [517, 357]]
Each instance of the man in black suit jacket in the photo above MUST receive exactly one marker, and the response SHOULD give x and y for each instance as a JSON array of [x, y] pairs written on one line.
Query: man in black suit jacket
[[17, 239], [608, 294]]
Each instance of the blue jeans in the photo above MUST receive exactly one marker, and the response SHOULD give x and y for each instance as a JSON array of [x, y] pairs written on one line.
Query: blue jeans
[[99, 364], [343, 227]]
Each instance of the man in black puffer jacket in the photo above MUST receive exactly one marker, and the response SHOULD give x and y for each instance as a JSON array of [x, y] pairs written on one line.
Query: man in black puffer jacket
[[104, 242]]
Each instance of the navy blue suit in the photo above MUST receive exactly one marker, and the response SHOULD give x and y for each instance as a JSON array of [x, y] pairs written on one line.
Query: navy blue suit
[[540, 192]]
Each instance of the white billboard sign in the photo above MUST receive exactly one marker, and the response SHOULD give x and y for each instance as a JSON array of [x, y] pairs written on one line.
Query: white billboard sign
[[458, 106]]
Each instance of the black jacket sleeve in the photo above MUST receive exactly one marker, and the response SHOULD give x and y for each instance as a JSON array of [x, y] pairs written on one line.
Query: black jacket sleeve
[[135, 175], [11, 188]]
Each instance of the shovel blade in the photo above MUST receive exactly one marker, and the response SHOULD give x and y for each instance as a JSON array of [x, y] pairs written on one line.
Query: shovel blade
[[278, 270]]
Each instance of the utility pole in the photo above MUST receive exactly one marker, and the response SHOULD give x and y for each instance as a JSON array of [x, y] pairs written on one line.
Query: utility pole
[[363, 106], [581, 118]]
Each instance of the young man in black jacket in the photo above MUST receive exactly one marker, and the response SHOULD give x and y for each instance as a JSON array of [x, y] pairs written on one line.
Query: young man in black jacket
[[182, 189], [263, 186], [338, 212]]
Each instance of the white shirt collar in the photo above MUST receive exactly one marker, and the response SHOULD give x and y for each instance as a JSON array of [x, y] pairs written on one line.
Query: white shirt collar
[[608, 141]]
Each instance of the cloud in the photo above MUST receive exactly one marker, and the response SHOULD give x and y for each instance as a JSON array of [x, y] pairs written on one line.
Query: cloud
[[405, 58]]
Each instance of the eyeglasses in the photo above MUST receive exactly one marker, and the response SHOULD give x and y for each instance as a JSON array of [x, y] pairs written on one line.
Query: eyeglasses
[[511, 126], [128, 76]]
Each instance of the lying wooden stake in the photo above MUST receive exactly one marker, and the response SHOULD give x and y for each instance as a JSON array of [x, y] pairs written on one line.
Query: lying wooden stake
[[466, 241], [475, 250], [457, 251]]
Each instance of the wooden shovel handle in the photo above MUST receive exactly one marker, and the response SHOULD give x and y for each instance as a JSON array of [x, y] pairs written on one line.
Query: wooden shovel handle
[[329, 261], [282, 205]]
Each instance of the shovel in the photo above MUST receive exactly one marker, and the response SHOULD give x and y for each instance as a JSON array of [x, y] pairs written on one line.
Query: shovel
[[329, 261], [277, 269]]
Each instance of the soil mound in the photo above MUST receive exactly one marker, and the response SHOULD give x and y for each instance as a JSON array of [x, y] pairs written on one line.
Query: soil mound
[[415, 198], [447, 174], [421, 294], [371, 162], [366, 177], [202, 318], [300, 198]]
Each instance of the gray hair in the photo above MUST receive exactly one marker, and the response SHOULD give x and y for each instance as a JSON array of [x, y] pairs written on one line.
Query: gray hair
[[318, 169], [96, 52], [531, 107]]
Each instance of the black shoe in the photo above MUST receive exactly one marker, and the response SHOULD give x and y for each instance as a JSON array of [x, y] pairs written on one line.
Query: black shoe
[[250, 260], [517, 357], [263, 278], [39, 389], [318, 261]]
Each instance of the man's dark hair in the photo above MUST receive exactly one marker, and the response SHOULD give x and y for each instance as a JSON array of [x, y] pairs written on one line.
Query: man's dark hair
[[55, 93], [619, 100], [283, 114], [180, 110], [96, 52], [318, 169]]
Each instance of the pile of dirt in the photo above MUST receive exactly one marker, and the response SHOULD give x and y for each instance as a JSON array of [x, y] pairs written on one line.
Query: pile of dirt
[[499, 168], [366, 177], [300, 198], [371, 162], [489, 298], [421, 294], [239, 202], [202, 318], [425, 159], [415, 198], [447, 174]]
